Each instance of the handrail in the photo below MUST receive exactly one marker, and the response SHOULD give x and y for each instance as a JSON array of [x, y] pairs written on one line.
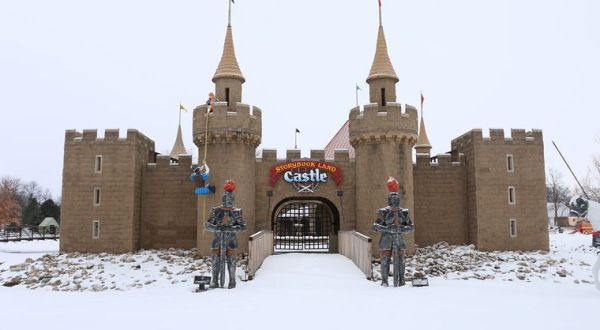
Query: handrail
[[260, 246], [358, 248]]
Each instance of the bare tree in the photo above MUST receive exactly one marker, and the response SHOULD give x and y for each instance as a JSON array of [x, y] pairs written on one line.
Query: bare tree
[[591, 182], [10, 210], [558, 193], [17, 198]]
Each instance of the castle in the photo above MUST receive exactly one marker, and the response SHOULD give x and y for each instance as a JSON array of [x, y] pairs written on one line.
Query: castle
[[120, 195]]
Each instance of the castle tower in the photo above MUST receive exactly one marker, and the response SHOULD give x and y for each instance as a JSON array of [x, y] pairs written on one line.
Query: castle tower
[[383, 137], [234, 131]]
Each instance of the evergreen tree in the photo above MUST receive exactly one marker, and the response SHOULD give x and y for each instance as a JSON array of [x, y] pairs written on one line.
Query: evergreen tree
[[32, 213], [50, 209]]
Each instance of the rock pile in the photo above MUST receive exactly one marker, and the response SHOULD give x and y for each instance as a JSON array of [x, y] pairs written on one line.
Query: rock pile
[[101, 272], [465, 262]]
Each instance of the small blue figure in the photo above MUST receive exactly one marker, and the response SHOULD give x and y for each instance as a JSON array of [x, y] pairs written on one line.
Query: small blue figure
[[200, 178]]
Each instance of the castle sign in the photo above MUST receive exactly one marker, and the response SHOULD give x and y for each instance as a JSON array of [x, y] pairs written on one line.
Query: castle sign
[[305, 175]]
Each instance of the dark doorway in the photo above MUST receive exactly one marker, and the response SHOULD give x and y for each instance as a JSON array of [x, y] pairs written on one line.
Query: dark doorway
[[304, 225]]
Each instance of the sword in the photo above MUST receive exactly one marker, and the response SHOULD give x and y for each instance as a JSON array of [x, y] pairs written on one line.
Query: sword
[[395, 250], [396, 262], [223, 259]]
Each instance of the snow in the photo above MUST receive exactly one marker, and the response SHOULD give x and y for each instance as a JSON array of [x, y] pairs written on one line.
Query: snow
[[16, 252], [303, 291]]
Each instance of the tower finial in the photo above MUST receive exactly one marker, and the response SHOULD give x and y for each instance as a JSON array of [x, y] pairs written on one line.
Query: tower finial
[[380, 21], [178, 147], [228, 66], [229, 16], [423, 146]]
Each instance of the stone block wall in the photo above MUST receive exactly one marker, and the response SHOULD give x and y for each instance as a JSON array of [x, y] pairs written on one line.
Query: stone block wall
[[440, 189], [233, 135], [488, 181], [383, 138], [169, 212], [119, 181], [282, 190]]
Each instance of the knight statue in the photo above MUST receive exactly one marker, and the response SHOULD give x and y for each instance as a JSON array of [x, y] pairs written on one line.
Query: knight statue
[[225, 221], [392, 222]]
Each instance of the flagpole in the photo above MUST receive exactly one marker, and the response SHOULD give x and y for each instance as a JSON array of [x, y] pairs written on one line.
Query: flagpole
[[179, 113], [229, 17], [296, 139], [421, 104], [380, 22], [356, 91]]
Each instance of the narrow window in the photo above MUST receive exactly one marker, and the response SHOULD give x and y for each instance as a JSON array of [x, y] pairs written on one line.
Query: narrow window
[[96, 196], [98, 166], [95, 229], [513, 227], [511, 195], [383, 102], [227, 96], [510, 166]]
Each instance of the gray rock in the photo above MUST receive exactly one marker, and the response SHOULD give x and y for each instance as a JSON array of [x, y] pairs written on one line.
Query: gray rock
[[13, 281]]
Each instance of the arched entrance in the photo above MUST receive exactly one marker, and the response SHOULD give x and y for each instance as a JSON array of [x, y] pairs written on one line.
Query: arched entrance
[[305, 224]]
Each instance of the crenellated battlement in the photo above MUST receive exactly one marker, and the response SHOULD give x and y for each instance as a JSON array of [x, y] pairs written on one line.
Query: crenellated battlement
[[110, 135], [239, 124], [164, 162], [497, 137], [440, 160], [376, 123], [270, 156]]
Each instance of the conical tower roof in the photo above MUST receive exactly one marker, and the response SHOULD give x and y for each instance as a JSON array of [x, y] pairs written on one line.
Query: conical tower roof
[[422, 139], [178, 147], [382, 66], [228, 67]]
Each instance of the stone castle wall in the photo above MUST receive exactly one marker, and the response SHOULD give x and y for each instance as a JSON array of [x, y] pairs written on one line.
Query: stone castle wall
[[441, 207], [149, 203], [488, 180], [169, 212], [120, 184]]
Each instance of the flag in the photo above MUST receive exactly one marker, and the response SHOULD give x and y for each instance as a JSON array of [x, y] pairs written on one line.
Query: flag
[[297, 130], [378, 0], [232, 1], [422, 99], [181, 107], [358, 88]]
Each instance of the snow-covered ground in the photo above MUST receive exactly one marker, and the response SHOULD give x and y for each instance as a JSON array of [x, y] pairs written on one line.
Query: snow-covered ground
[[298, 291]]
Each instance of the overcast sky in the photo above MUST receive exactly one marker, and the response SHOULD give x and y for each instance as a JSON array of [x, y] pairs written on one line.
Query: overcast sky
[[128, 64]]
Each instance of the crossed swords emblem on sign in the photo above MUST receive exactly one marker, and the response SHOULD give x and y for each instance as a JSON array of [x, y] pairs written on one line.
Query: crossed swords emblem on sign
[[307, 188]]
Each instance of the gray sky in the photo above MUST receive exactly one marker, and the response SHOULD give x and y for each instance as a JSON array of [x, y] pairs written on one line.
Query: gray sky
[[128, 64]]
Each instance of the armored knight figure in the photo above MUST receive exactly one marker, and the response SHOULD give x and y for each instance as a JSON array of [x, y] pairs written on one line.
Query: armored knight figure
[[225, 221], [392, 222]]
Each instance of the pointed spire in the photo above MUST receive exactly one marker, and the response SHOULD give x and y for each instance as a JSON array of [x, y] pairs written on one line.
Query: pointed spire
[[228, 67], [178, 147], [423, 146], [382, 65]]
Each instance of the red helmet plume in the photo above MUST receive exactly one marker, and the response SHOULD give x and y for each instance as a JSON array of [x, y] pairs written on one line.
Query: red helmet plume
[[392, 184], [229, 185]]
